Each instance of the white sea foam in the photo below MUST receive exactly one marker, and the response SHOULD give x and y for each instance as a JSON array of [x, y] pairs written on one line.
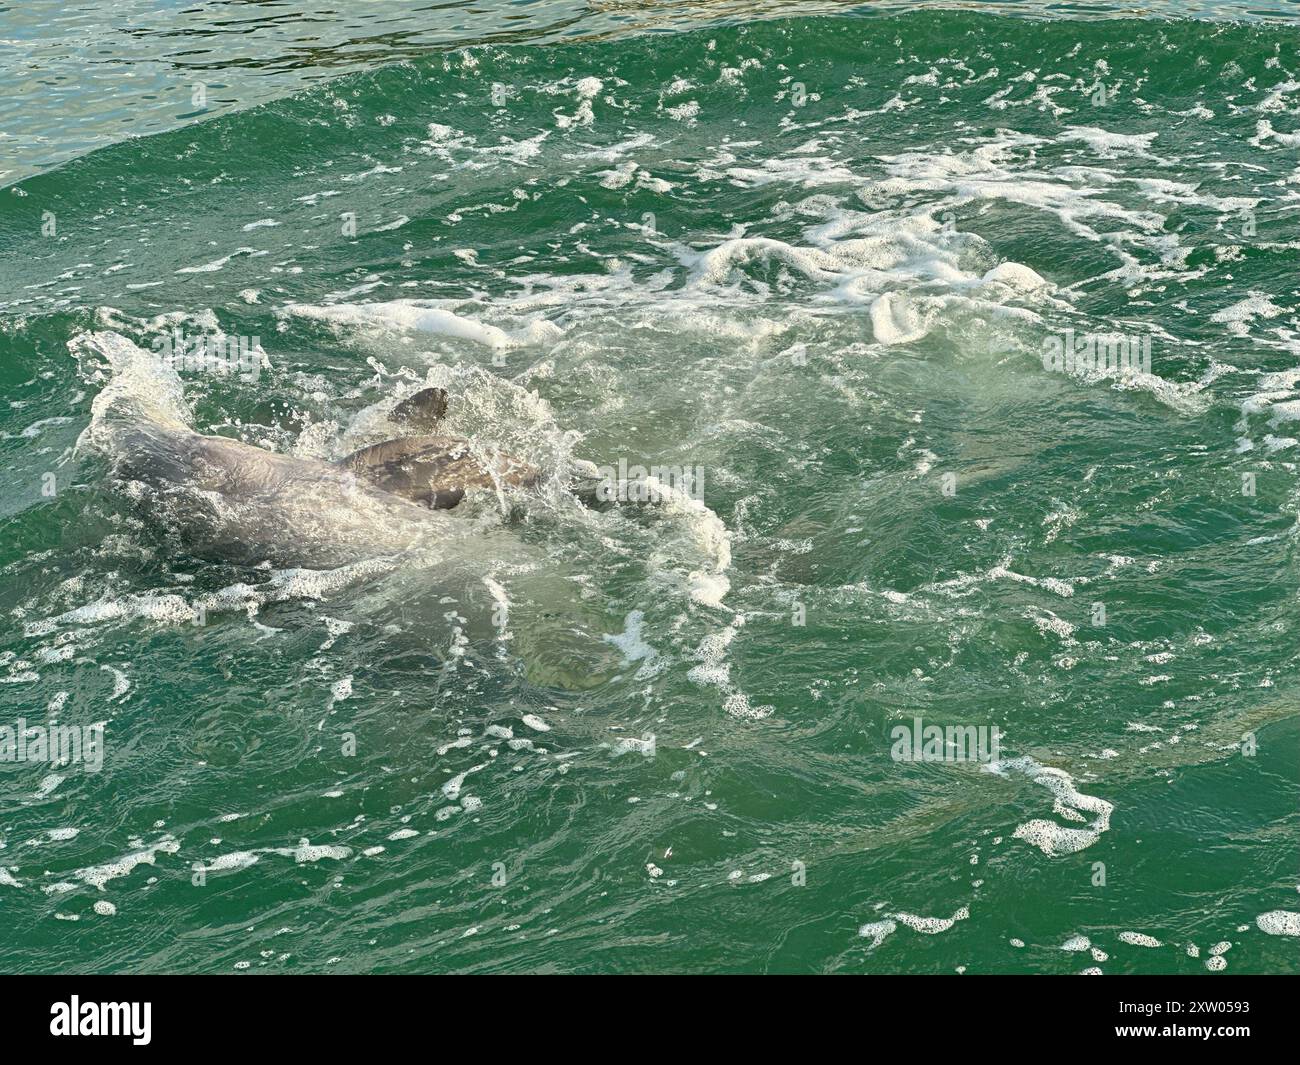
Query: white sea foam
[[1051, 838], [634, 646], [877, 931], [405, 315], [1112, 145], [1279, 923], [1239, 316], [98, 876], [1139, 939], [931, 926]]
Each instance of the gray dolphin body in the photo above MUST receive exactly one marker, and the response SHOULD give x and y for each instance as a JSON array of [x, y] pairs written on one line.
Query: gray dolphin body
[[231, 500], [434, 471]]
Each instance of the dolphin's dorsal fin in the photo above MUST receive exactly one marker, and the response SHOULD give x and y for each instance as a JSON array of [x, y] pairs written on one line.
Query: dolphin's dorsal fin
[[422, 410]]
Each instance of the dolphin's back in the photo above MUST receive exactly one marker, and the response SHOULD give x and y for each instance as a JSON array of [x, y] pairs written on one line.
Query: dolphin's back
[[228, 499]]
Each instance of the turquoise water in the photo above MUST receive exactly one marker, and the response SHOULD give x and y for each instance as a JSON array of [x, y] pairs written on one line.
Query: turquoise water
[[818, 259]]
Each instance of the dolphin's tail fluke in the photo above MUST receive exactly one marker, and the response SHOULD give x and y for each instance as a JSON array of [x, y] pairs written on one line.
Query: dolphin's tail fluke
[[140, 419], [142, 387]]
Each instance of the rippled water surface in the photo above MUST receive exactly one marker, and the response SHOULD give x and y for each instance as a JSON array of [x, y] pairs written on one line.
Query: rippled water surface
[[817, 257]]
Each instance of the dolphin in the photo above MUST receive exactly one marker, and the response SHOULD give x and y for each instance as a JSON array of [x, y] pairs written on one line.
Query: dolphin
[[434, 471], [230, 500]]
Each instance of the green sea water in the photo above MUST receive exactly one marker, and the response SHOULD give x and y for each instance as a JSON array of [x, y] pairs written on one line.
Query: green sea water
[[816, 256]]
